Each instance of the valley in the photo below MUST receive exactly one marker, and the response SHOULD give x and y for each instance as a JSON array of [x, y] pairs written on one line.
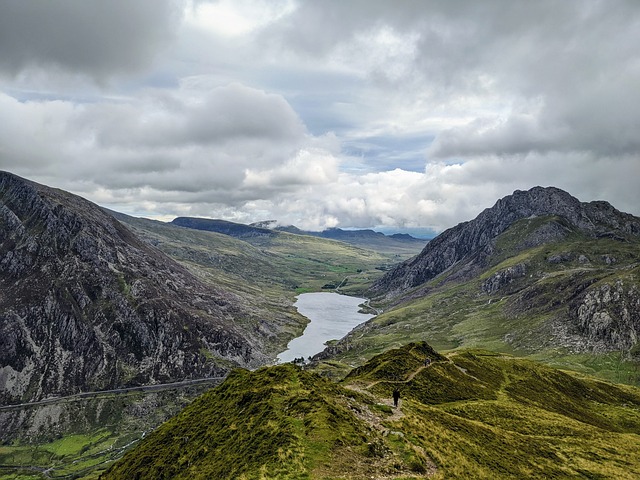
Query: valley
[[115, 329]]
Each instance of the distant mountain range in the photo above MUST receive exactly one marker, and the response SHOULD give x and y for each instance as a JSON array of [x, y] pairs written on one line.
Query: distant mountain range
[[396, 243], [237, 230]]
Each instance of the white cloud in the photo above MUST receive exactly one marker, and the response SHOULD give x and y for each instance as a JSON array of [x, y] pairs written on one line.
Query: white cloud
[[234, 18], [332, 113], [208, 145]]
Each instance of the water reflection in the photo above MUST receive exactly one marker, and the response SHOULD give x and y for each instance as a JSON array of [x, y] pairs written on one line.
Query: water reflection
[[331, 316]]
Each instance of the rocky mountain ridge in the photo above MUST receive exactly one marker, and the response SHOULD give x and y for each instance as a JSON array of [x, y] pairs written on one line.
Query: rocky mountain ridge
[[474, 240], [85, 305], [540, 274]]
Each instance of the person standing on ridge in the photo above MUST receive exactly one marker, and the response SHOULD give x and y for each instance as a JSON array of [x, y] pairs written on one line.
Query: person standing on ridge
[[396, 397]]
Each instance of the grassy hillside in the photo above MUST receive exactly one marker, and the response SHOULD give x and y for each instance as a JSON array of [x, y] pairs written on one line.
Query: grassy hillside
[[80, 437], [279, 262], [523, 300], [470, 414], [277, 422], [267, 272]]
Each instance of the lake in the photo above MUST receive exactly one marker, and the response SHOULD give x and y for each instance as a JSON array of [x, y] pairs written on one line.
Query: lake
[[331, 316]]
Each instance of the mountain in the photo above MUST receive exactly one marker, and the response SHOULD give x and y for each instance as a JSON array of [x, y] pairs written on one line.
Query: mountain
[[470, 414], [268, 224], [540, 274], [267, 270], [401, 244], [86, 305], [473, 242], [237, 230]]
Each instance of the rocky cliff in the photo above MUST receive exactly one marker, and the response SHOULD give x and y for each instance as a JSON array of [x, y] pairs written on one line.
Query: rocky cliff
[[471, 242], [85, 305]]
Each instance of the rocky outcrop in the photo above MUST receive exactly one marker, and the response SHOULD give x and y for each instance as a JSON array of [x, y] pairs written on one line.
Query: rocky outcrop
[[85, 305], [609, 315], [474, 240], [503, 278]]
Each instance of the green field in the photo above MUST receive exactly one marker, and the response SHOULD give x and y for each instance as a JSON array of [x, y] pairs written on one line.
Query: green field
[[81, 437]]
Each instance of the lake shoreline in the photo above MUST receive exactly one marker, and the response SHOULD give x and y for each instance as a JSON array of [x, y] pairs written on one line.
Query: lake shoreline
[[331, 316]]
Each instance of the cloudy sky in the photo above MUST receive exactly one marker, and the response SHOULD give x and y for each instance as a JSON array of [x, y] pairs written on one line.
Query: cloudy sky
[[391, 114]]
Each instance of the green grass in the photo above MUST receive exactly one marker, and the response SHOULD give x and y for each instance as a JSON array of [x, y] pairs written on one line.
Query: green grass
[[470, 414], [86, 435], [502, 417], [78, 455], [277, 422], [269, 265]]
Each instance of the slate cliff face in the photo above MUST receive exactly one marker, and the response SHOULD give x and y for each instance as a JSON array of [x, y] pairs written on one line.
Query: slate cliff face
[[472, 241], [85, 305]]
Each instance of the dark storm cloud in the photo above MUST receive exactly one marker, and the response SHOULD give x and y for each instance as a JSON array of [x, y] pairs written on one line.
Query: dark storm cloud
[[92, 37]]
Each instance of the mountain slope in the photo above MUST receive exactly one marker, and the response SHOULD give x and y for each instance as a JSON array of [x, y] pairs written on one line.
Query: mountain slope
[[237, 230], [471, 242], [278, 264], [401, 244], [470, 414], [85, 305], [539, 275], [266, 272]]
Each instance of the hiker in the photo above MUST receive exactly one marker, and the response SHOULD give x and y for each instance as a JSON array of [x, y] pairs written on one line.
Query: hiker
[[396, 397], [427, 361]]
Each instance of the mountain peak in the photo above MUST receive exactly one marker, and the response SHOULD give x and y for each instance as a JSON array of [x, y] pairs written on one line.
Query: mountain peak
[[466, 239]]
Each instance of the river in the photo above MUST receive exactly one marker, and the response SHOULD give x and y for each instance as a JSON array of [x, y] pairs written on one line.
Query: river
[[331, 316]]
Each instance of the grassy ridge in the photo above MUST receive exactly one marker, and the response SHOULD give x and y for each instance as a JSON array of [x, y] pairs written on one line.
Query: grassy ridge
[[471, 414], [277, 422]]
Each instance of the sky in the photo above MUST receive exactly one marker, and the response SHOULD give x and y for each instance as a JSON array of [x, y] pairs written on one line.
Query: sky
[[397, 115]]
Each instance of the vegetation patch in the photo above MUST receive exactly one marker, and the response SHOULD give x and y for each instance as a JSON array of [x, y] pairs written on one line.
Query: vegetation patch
[[469, 414]]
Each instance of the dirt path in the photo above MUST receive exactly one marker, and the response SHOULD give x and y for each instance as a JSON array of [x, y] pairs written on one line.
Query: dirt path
[[388, 424], [397, 412], [408, 379]]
